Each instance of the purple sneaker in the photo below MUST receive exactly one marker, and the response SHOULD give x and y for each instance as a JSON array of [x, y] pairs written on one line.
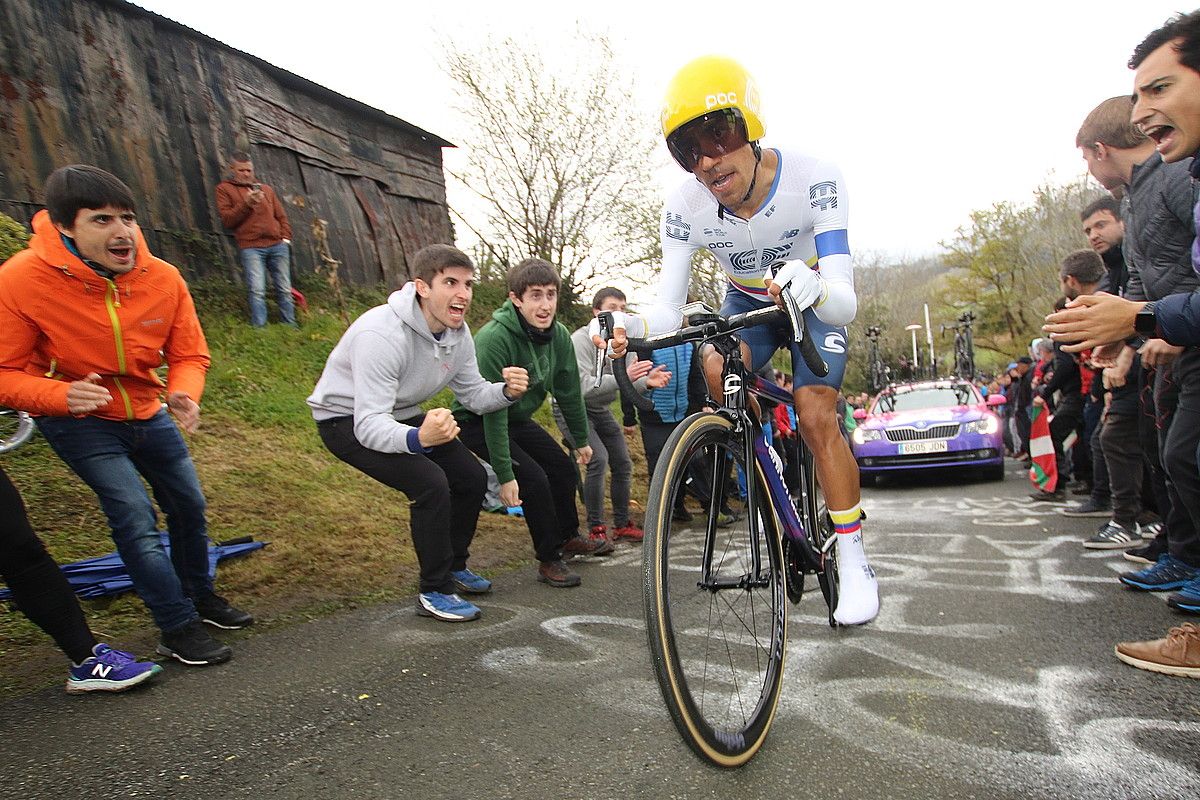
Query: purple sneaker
[[109, 670]]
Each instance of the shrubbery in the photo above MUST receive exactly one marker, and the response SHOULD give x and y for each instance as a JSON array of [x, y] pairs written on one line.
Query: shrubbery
[[13, 237]]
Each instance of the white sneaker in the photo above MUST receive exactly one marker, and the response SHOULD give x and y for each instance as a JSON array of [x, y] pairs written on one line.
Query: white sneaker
[[858, 591], [858, 596]]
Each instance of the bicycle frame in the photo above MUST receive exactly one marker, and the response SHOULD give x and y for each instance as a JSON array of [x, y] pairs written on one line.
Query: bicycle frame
[[736, 382]]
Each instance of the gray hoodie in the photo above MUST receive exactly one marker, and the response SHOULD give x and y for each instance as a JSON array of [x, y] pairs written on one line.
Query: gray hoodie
[[388, 362]]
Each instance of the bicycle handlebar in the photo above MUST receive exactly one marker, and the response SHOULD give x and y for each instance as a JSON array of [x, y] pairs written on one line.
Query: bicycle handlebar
[[710, 327]]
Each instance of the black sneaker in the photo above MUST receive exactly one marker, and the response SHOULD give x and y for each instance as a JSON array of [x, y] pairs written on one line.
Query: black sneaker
[[192, 645], [1113, 536], [1047, 497], [216, 611], [1088, 508], [1147, 553]]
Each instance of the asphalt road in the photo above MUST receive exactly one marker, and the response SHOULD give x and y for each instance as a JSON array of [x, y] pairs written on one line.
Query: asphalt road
[[988, 674]]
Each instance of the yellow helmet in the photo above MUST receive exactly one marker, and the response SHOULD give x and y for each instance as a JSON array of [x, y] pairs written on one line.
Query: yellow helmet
[[709, 83]]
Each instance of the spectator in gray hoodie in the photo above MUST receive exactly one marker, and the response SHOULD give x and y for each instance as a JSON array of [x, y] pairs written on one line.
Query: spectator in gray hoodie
[[605, 435], [367, 408]]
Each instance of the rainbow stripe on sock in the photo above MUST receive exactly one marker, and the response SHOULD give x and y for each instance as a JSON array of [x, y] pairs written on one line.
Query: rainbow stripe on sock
[[848, 521]]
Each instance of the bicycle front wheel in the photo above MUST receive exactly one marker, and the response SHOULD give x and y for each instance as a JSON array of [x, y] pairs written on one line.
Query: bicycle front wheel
[[714, 593], [16, 428]]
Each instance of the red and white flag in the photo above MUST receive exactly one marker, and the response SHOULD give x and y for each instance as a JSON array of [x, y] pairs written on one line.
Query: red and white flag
[[1043, 468]]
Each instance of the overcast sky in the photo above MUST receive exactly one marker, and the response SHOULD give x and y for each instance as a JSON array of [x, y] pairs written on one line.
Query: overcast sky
[[931, 109]]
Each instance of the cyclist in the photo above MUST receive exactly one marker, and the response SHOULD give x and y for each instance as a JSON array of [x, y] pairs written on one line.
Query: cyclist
[[754, 207]]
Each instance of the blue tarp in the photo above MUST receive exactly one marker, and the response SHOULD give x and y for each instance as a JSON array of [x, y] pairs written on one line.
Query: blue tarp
[[106, 575]]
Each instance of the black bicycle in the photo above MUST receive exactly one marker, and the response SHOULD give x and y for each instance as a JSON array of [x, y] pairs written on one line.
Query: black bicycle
[[880, 375], [964, 347], [715, 588]]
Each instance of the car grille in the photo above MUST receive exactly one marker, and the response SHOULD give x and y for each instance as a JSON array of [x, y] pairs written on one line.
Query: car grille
[[948, 431]]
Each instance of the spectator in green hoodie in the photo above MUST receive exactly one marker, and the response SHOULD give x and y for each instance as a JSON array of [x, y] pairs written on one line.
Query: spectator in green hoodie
[[534, 471]]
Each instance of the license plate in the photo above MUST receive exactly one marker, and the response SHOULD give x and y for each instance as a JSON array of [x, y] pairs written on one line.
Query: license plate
[[915, 448]]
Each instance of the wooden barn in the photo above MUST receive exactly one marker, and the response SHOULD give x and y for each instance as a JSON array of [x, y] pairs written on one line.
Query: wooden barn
[[162, 106]]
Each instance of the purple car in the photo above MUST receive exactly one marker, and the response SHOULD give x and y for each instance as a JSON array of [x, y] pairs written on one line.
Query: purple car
[[931, 424]]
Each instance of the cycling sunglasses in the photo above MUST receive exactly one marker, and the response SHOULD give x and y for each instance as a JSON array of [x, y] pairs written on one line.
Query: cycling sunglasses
[[715, 134]]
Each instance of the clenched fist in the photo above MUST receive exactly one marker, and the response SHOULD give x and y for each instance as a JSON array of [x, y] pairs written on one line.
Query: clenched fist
[[439, 427], [87, 395], [516, 381]]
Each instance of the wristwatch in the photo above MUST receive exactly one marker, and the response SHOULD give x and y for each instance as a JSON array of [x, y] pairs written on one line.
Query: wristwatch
[[1145, 321]]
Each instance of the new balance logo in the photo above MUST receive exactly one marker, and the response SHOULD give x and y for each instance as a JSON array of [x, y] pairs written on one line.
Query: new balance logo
[[101, 670]]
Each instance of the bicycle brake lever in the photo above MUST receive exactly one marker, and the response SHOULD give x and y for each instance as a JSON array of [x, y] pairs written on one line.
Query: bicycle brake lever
[[605, 320]]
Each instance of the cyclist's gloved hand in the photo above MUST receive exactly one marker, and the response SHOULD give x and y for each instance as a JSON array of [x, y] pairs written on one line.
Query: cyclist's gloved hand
[[618, 324], [804, 284]]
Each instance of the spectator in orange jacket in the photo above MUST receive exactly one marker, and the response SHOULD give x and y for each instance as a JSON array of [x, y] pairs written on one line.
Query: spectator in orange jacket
[[89, 316], [264, 238]]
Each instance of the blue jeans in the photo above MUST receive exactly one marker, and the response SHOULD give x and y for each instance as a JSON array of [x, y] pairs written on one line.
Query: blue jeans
[[109, 456], [257, 262]]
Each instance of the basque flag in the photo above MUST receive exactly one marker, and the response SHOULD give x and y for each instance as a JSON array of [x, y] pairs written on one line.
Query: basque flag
[[1043, 468]]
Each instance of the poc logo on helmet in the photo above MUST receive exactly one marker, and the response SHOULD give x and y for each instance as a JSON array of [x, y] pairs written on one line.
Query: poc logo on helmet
[[720, 99]]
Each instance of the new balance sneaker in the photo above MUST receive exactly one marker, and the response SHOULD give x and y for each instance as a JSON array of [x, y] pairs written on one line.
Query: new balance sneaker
[[629, 532], [193, 645], [586, 546], [1188, 597], [557, 574], [1176, 654], [468, 582], [1147, 553], [109, 670], [216, 611], [1113, 536], [1088, 508], [1167, 574], [446, 607]]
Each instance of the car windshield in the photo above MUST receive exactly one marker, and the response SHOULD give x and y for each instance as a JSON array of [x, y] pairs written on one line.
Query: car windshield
[[929, 397]]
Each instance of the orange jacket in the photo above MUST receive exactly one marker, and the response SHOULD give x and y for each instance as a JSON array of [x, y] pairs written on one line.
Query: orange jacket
[[59, 321], [263, 225]]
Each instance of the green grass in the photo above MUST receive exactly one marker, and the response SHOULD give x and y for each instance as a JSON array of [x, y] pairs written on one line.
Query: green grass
[[336, 537]]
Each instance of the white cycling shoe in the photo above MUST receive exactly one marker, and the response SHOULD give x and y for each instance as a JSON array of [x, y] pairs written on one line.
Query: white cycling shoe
[[858, 591]]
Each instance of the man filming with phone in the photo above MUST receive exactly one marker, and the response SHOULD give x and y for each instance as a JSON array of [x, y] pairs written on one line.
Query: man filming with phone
[[252, 210]]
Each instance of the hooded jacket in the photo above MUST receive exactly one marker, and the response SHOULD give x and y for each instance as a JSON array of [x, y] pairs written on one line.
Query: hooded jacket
[[388, 362], [61, 321], [552, 371]]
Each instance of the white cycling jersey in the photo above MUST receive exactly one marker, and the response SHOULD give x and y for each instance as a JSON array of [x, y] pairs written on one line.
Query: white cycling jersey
[[803, 218]]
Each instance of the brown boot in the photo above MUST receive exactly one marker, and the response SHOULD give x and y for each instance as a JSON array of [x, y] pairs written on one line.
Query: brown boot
[[557, 574], [586, 546], [1177, 654]]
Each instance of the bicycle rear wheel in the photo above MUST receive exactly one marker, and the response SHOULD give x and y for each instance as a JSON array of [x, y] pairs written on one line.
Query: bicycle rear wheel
[[717, 641]]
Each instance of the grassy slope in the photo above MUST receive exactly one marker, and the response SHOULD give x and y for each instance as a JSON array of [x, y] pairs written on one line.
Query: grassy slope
[[336, 537]]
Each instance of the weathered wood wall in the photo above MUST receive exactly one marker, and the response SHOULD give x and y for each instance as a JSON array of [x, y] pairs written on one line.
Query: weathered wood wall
[[161, 106]]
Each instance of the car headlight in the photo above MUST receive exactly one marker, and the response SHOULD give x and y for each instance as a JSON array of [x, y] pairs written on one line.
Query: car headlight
[[989, 423], [863, 435]]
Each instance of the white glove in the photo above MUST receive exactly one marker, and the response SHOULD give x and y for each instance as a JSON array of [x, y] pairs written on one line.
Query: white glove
[[618, 322], [804, 284]]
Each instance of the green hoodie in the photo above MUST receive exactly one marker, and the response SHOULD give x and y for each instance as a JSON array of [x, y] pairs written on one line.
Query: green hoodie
[[552, 370]]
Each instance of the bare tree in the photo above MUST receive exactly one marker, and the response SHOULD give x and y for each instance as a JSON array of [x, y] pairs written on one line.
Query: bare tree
[[560, 159], [1005, 261]]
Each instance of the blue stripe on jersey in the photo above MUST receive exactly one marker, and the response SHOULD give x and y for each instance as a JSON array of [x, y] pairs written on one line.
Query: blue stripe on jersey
[[832, 243], [774, 183]]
